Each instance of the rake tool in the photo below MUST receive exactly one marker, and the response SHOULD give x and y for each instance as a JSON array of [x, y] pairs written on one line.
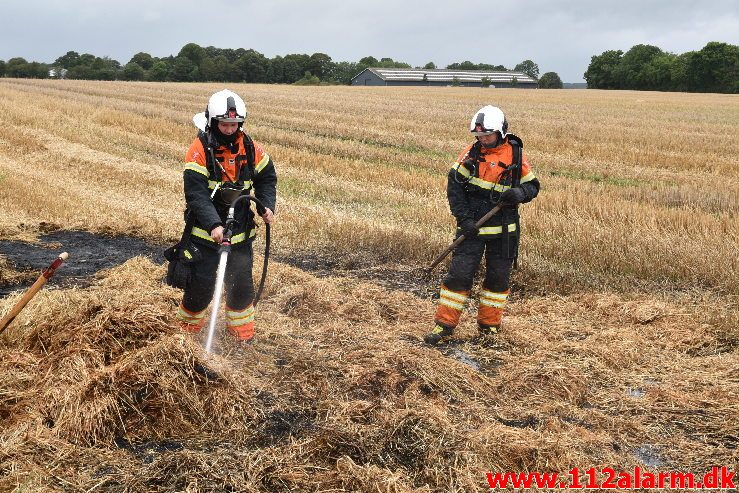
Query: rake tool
[[461, 238]]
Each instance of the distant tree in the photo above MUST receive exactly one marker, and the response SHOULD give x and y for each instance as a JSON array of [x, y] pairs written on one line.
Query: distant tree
[[217, 69], [369, 61], [81, 72], [207, 71], [602, 71], [632, 70], [68, 60], [344, 72], [105, 68], [294, 67], [529, 68], [715, 68], [158, 72], [2, 68], [276, 70], [486, 82], [212, 52], [41, 70], [38, 70], [430, 66], [195, 53], [678, 71], [144, 60], [291, 70], [455, 81], [468, 65], [514, 81], [390, 63], [308, 80], [18, 67], [181, 69], [660, 73], [86, 59], [465, 65], [320, 65], [550, 80], [252, 67], [133, 71], [492, 68]]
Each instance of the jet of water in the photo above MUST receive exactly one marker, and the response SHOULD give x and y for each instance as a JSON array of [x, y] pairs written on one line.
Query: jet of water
[[217, 297]]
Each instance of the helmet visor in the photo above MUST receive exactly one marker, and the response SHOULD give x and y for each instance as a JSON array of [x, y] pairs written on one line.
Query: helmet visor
[[478, 129], [230, 117]]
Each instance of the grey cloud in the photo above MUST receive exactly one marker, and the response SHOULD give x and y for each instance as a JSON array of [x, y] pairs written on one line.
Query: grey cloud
[[558, 36]]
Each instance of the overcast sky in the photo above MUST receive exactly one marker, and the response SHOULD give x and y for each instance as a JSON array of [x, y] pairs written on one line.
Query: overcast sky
[[559, 36]]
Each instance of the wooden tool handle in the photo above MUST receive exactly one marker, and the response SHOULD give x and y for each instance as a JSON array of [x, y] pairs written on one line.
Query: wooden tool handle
[[45, 275]]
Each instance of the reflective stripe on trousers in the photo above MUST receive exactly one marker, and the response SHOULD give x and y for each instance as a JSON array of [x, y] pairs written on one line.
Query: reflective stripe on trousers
[[241, 322], [451, 304], [491, 307], [190, 321]]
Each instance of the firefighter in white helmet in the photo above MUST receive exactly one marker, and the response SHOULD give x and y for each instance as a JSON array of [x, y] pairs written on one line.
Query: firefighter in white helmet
[[222, 163], [491, 171]]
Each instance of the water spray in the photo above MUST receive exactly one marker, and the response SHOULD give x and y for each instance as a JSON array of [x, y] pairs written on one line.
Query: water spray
[[223, 252]]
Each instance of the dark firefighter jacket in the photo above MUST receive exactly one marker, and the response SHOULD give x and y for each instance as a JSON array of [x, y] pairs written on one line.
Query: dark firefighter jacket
[[204, 179], [477, 179]]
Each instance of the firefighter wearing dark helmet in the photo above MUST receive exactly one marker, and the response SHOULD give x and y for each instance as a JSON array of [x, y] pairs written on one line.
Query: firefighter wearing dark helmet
[[484, 176], [222, 163]]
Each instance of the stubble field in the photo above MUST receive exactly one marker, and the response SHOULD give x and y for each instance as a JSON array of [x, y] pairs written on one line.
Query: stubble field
[[621, 345]]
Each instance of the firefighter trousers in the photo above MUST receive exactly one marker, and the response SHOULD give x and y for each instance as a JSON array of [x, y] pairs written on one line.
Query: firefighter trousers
[[499, 253], [238, 286]]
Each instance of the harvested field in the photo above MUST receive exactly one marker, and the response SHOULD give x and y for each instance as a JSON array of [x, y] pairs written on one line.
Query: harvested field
[[620, 349]]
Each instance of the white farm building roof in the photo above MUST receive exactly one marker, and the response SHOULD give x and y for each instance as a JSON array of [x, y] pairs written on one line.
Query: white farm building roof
[[403, 76]]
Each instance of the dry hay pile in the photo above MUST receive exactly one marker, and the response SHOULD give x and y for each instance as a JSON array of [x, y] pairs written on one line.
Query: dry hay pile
[[99, 392]]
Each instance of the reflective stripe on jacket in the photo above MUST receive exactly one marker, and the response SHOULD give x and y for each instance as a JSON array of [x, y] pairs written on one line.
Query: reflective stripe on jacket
[[473, 189], [202, 187]]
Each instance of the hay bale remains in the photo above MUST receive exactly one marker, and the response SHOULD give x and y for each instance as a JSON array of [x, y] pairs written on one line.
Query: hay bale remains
[[98, 389]]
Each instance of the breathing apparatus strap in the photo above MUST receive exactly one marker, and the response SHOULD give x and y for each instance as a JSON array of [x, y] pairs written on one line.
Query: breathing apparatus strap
[[517, 162], [215, 169]]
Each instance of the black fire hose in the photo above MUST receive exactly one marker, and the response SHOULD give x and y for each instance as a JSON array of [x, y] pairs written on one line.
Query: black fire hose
[[227, 234]]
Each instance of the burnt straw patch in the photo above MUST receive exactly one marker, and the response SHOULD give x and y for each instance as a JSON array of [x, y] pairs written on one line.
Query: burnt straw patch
[[89, 253]]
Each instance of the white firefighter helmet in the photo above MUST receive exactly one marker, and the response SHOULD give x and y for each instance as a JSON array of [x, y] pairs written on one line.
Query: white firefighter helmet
[[492, 119], [224, 106]]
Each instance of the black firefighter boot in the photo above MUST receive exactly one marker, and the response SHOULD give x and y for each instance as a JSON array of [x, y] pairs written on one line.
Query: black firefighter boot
[[437, 334], [488, 330]]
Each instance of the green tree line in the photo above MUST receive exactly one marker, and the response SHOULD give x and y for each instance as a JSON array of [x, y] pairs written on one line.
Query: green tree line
[[715, 68], [194, 63]]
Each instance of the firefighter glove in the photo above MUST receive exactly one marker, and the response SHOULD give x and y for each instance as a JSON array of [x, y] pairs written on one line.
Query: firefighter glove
[[469, 230], [513, 196], [470, 163]]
